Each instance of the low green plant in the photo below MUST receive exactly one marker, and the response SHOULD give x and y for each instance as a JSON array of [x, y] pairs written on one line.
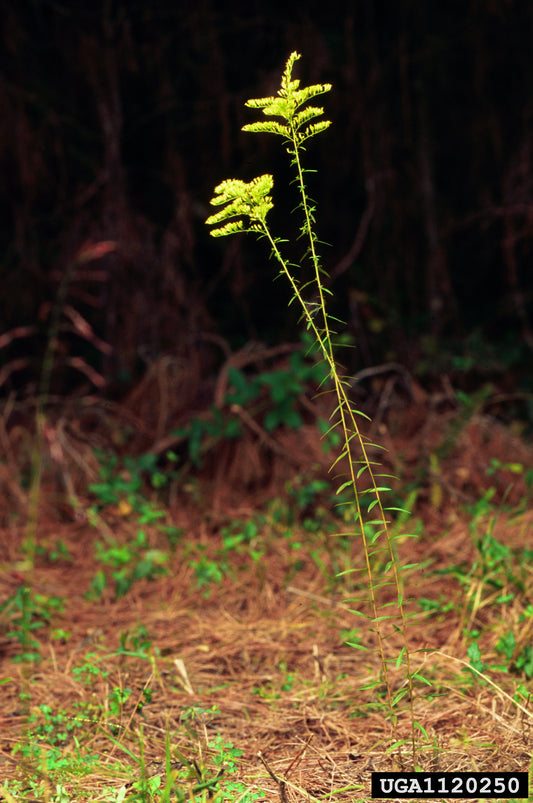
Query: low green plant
[[52, 753], [237, 538], [517, 660], [56, 756], [270, 397], [127, 563], [496, 575], [27, 611], [53, 727], [136, 640], [208, 571], [243, 538], [244, 208], [122, 488], [54, 553], [116, 699], [123, 481], [213, 777], [496, 465], [201, 769], [89, 672], [304, 528], [273, 689]]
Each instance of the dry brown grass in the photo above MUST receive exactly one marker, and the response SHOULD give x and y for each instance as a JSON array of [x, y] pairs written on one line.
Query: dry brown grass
[[265, 646]]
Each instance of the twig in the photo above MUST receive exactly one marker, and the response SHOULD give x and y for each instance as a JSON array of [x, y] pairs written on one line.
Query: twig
[[279, 781]]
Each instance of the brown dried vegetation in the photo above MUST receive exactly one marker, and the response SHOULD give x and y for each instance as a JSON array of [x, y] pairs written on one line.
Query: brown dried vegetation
[[265, 646]]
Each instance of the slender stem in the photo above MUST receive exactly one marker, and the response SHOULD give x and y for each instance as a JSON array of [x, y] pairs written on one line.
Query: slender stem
[[349, 424], [344, 405]]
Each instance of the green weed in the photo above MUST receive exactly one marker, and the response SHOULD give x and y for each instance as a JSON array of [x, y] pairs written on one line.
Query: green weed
[[27, 611], [136, 640], [89, 672], [496, 576], [52, 727], [122, 488], [244, 208], [127, 563], [55, 553], [122, 484], [270, 397], [202, 772]]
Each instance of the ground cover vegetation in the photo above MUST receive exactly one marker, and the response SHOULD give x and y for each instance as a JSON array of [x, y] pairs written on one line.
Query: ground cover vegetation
[[152, 652], [222, 616], [234, 571]]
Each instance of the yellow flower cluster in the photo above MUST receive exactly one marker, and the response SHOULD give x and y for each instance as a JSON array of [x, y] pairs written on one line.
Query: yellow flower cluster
[[251, 200]]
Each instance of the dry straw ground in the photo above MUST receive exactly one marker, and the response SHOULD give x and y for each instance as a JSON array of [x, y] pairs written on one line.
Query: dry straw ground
[[259, 657]]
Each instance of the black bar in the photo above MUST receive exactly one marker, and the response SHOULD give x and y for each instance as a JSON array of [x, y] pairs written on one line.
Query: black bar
[[479, 785]]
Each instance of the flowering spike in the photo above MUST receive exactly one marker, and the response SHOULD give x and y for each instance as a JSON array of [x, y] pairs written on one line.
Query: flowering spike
[[250, 200], [289, 99]]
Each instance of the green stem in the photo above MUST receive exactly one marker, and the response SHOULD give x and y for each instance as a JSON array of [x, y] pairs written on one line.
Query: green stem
[[343, 406]]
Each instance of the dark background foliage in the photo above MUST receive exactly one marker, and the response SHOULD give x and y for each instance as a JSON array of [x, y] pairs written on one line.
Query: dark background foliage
[[119, 117]]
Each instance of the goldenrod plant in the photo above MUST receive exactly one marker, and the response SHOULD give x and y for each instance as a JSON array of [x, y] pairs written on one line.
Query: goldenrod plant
[[245, 209]]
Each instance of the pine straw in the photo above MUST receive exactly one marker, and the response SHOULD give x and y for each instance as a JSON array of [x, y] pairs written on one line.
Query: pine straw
[[266, 646], [239, 646]]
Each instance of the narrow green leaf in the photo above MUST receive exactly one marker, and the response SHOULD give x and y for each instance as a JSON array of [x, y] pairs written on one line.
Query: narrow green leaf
[[400, 657], [422, 679], [421, 728], [399, 696]]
